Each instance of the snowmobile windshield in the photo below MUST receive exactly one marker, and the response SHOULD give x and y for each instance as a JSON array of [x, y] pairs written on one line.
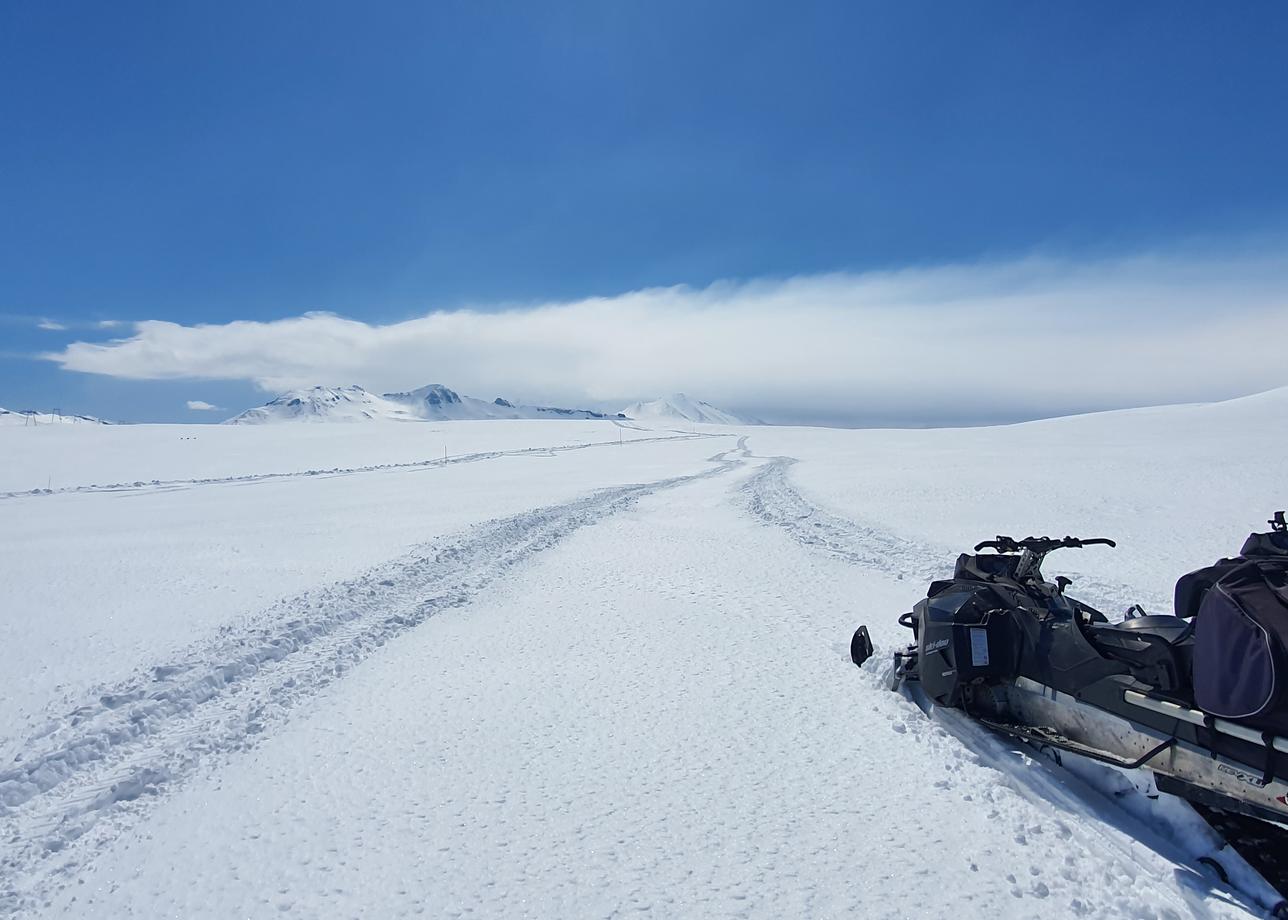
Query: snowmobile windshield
[[987, 566]]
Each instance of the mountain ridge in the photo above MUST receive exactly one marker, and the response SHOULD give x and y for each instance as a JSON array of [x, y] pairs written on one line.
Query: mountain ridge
[[431, 403]]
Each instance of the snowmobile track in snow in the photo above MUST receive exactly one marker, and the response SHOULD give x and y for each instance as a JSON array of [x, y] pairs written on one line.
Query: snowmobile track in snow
[[772, 498], [165, 485], [93, 772], [775, 501]]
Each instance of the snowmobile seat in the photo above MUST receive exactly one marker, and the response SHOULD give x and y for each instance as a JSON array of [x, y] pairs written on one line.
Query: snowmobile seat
[[1165, 626], [1157, 648]]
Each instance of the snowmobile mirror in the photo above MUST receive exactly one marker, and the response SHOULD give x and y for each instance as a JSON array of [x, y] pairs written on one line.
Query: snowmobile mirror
[[1062, 582], [1278, 523]]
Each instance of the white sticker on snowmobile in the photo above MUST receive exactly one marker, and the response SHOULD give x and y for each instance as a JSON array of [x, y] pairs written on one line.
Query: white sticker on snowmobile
[[979, 648]]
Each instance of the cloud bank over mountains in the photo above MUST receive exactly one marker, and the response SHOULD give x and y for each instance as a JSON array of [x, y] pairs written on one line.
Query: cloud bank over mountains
[[1026, 337]]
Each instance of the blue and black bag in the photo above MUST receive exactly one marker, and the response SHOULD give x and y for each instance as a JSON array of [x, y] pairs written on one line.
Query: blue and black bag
[[1240, 606]]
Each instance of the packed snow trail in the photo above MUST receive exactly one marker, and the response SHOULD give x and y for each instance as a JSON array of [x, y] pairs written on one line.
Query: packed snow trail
[[655, 716], [1128, 818], [94, 770]]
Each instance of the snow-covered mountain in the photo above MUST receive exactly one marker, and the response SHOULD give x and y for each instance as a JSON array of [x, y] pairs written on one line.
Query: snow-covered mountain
[[325, 404], [428, 403], [31, 417], [438, 403], [681, 408]]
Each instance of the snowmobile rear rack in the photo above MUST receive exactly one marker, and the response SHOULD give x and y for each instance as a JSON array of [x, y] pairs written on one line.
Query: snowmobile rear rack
[[1194, 717]]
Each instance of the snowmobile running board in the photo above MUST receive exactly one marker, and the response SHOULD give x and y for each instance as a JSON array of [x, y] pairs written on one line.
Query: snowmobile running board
[[1062, 743], [1194, 717], [1113, 737]]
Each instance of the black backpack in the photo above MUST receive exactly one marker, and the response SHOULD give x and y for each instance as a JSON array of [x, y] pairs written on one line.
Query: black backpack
[[1241, 628]]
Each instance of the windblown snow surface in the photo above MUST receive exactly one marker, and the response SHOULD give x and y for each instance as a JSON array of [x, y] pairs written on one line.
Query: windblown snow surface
[[570, 669]]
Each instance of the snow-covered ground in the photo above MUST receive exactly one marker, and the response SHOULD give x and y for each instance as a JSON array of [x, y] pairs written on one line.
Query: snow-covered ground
[[541, 681]]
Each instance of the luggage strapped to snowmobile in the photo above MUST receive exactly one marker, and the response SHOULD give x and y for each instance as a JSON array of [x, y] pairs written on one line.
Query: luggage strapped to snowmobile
[[1240, 607]]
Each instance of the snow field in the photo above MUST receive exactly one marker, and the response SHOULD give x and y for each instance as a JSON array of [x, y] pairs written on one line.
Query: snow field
[[98, 585], [646, 718], [121, 456], [568, 682], [1176, 486]]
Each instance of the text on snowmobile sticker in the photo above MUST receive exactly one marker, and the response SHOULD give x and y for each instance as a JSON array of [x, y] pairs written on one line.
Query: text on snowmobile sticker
[[1241, 775]]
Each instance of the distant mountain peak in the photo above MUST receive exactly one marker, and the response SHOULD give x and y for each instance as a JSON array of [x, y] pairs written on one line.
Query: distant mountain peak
[[324, 404], [434, 394], [683, 408]]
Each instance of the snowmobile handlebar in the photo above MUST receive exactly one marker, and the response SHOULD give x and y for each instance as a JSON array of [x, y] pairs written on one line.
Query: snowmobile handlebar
[[1040, 545]]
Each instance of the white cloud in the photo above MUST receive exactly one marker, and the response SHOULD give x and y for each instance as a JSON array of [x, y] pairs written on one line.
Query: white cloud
[[200, 405], [50, 325], [1031, 336], [109, 323]]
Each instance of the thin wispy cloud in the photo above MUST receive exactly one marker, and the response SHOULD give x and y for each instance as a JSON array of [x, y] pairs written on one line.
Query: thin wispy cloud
[[200, 405], [49, 324], [1030, 336]]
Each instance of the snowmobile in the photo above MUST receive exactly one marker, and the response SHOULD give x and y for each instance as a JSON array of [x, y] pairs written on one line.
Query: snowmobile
[[1199, 698]]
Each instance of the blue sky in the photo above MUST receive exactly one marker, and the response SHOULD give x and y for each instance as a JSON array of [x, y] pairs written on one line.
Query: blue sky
[[204, 163]]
